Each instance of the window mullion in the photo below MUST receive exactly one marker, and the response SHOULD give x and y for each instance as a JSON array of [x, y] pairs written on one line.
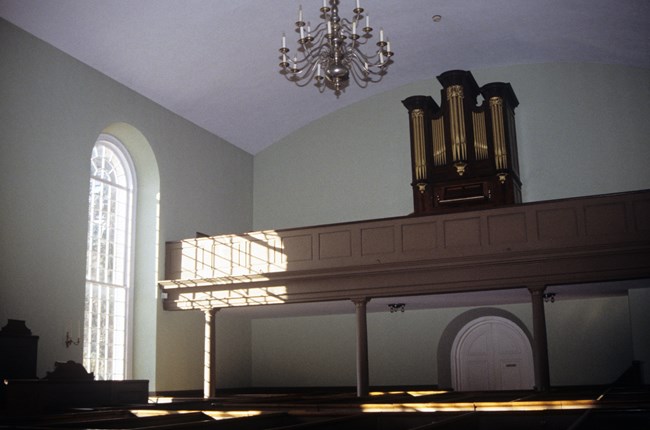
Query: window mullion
[[107, 234], [91, 222], [107, 342]]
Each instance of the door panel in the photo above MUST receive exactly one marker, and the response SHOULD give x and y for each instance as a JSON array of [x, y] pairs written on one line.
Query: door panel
[[511, 376], [492, 353], [475, 375]]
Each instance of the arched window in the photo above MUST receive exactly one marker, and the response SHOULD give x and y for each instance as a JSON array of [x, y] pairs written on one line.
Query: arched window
[[109, 260]]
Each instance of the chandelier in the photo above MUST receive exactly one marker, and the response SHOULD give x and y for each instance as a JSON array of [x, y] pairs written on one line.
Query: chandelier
[[330, 53]]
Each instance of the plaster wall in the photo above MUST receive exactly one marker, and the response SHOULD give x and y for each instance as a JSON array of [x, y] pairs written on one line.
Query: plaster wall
[[581, 130], [590, 341], [52, 109], [584, 348], [639, 300]]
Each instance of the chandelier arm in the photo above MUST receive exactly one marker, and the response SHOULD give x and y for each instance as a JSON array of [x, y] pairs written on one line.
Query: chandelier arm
[[360, 77], [351, 28], [305, 74], [320, 58], [348, 22], [312, 64], [309, 55], [300, 82], [370, 63], [361, 82], [320, 29], [362, 38], [320, 41], [370, 58], [299, 74], [314, 36], [360, 73]]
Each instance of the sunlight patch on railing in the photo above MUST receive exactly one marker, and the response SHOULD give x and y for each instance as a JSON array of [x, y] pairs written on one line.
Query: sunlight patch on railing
[[232, 255], [222, 415], [417, 407], [424, 393], [215, 415], [410, 393], [237, 297], [140, 413], [159, 400], [480, 406], [535, 405]]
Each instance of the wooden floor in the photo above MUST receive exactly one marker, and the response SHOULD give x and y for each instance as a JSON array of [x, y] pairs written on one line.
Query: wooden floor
[[396, 408]]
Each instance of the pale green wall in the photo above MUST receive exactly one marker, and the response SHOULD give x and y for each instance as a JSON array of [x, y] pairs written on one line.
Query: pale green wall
[[590, 342], [234, 351], [402, 347], [52, 108], [639, 300], [181, 346], [582, 129], [320, 350], [304, 351]]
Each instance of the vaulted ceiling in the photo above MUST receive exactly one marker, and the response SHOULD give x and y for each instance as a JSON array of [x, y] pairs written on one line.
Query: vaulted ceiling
[[215, 63]]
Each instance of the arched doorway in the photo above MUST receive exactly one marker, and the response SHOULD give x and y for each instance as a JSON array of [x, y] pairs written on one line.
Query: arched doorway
[[491, 353]]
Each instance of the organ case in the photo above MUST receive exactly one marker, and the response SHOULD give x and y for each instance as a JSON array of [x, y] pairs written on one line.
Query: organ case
[[464, 154]]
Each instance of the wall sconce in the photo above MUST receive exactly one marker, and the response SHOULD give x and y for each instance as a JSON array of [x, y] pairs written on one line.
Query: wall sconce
[[549, 297], [69, 341], [394, 307]]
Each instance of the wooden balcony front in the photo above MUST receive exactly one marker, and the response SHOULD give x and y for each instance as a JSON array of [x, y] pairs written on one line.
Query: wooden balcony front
[[569, 241]]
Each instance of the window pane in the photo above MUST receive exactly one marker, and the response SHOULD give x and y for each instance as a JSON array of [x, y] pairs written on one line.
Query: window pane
[[108, 261]]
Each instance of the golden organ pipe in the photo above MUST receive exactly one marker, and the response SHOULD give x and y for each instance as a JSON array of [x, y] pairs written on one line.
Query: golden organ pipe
[[439, 150], [417, 118], [480, 138], [457, 119], [500, 152]]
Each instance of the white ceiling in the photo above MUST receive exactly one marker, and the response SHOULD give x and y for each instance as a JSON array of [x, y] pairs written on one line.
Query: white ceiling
[[215, 62]]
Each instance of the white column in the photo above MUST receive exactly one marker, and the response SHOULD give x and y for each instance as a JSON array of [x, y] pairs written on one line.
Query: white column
[[209, 370], [540, 344], [362, 347]]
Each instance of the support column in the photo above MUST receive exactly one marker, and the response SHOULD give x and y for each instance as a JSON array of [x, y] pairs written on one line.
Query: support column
[[362, 347], [540, 345], [209, 371]]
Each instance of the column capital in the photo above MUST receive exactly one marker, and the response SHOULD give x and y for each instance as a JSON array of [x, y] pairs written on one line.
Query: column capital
[[360, 301], [210, 312], [537, 289]]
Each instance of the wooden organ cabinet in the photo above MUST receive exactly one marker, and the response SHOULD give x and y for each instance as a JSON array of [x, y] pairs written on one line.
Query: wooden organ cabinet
[[464, 154]]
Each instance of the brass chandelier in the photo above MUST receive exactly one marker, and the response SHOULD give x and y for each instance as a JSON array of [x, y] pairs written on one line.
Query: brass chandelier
[[330, 53]]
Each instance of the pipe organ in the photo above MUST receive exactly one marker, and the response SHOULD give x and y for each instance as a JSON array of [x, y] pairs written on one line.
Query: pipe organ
[[464, 154]]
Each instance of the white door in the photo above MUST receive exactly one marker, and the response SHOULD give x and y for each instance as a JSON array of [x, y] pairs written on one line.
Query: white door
[[492, 353]]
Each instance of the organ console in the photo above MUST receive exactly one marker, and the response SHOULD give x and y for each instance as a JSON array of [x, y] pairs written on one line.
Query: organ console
[[464, 154]]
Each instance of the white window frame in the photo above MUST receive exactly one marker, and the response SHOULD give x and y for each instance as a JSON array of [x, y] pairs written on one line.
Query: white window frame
[[99, 279]]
